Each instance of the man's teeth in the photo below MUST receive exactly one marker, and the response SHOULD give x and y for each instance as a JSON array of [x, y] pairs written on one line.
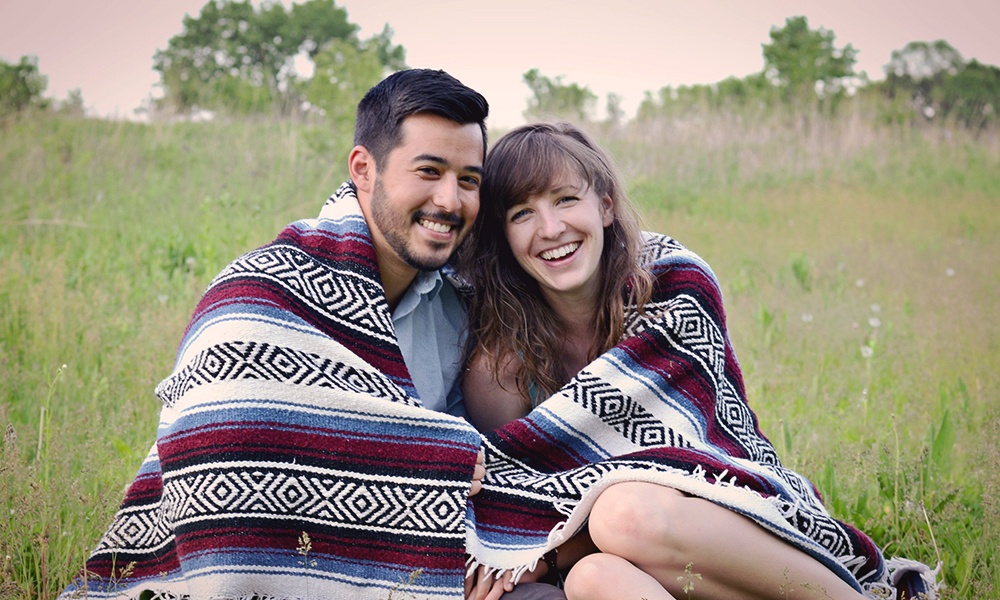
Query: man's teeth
[[560, 252], [434, 226]]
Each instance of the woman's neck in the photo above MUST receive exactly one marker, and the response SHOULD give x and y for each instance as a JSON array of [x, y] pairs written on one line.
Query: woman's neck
[[579, 319]]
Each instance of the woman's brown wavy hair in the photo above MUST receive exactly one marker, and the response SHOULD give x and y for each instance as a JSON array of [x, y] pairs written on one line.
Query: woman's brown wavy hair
[[509, 318]]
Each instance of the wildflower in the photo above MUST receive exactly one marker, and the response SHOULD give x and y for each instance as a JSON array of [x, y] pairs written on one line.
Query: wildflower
[[949, 272], [874, 322], [860, 282], [867, 351], [807, 317]]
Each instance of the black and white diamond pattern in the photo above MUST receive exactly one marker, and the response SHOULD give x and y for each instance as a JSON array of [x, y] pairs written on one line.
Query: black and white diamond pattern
[[137, 528], [346, 297], [620, 412], [346, 500], [239, 361]]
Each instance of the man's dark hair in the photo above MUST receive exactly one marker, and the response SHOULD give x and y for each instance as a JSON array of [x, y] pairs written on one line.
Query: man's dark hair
[[381, 112]]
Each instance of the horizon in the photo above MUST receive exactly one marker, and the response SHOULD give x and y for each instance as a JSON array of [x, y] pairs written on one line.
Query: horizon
[[105, 49]]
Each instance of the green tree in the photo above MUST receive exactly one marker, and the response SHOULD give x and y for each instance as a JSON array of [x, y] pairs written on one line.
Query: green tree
[[613, 107], [554, 99], [730, 93], [72, 105], [806, 64], [343, 73], [238, 57], [21, 86], [915, 75], [972, 95]]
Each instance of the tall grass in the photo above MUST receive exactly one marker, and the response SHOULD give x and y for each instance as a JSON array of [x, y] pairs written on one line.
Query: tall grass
[[859, 264]]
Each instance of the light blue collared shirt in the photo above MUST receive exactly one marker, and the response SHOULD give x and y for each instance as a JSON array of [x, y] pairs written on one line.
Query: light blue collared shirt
[[430, 326]]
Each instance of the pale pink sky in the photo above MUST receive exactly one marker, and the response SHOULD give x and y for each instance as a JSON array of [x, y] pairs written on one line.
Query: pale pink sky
[[105, 47]]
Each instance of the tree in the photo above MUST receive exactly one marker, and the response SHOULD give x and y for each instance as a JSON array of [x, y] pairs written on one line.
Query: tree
[[805, 63], [613, 107], [343, 73], [554, 99], [21, 86], [753, 91], [240, 58], [72, 105], [916, 74], [919, 61], [972, 95]]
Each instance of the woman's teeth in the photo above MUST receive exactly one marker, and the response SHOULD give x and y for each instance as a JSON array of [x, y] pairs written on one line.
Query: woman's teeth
[[560, 252]]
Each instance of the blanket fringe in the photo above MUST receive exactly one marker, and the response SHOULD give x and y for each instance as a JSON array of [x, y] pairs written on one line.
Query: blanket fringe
[[899, 567]]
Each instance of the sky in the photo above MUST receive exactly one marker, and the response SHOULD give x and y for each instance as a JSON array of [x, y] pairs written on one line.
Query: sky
[[105, 48]]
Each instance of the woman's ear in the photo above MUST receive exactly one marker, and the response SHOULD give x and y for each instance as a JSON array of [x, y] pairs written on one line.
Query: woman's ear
[[361, 166], [607, 210]]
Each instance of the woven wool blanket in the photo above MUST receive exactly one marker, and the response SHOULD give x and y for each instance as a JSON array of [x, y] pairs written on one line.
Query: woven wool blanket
[[667, 405], [293, 458]]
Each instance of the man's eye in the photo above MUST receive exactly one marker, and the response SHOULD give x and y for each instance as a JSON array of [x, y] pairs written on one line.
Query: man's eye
[[471, 181], [566, 199]]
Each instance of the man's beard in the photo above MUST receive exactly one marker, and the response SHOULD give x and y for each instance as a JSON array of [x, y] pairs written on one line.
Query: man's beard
[[396, 226]]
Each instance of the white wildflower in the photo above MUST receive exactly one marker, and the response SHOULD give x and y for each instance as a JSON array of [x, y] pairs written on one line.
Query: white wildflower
[[874, 322], [867, 351]]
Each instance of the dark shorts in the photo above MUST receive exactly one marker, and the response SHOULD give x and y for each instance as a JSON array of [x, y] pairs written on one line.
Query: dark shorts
[[535, 591]]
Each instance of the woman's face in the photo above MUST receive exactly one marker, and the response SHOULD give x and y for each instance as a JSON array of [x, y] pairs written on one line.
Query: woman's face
[[557, 237]]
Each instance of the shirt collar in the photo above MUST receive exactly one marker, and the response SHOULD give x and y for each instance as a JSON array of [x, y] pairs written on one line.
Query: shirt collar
[[427, 283]]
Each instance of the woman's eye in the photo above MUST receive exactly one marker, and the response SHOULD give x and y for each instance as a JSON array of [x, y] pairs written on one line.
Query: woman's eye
[[518, 215], [567, 199]]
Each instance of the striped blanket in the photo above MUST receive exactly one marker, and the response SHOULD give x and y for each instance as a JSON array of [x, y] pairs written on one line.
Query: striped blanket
[[294, 460]]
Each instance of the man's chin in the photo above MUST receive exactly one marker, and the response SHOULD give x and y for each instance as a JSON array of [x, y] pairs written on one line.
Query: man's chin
[[431, 262]]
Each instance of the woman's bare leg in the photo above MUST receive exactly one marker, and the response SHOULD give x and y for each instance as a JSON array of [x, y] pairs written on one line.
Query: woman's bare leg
[[608, 577], [661, 531]]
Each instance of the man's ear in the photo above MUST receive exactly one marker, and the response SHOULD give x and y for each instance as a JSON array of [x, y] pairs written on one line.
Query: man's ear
[[361, 165]]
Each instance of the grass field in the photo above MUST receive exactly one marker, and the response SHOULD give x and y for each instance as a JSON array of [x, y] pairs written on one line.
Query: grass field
[[860, 265]]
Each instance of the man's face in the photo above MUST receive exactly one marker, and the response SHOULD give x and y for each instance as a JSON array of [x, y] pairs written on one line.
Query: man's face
[[426, 192]]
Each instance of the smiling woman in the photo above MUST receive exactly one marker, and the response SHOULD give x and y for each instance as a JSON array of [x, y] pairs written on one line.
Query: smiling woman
[[557, 236], [603, 370]]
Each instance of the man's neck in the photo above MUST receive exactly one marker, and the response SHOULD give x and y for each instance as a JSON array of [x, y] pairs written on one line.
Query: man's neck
[[396, 278]]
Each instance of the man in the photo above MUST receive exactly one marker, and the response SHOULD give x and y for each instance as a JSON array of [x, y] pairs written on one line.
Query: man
[[296, 456]]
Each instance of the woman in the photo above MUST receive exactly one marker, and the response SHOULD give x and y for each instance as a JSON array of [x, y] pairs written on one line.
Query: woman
[[559, 267]]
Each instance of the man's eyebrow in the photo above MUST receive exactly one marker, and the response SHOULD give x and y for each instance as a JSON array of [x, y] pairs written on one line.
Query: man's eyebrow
[[441, 161], [430, 157]]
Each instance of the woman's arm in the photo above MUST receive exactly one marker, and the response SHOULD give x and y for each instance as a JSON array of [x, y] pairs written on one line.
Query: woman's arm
[[489, 402]]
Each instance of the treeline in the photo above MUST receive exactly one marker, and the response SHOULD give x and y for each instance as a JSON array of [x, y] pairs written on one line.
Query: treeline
[[307, 61]]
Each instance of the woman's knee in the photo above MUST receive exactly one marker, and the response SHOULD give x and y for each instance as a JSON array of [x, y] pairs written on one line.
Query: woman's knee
[[593, 576], [638, 520]]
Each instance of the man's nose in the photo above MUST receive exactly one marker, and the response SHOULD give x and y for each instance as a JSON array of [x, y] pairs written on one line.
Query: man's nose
[[446, 194]]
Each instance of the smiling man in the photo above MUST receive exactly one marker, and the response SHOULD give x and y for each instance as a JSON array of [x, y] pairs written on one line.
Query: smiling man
[[296, 456]]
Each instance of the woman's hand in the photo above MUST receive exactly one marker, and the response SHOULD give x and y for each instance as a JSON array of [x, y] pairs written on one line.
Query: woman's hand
[[481, 585], [478, 473]]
